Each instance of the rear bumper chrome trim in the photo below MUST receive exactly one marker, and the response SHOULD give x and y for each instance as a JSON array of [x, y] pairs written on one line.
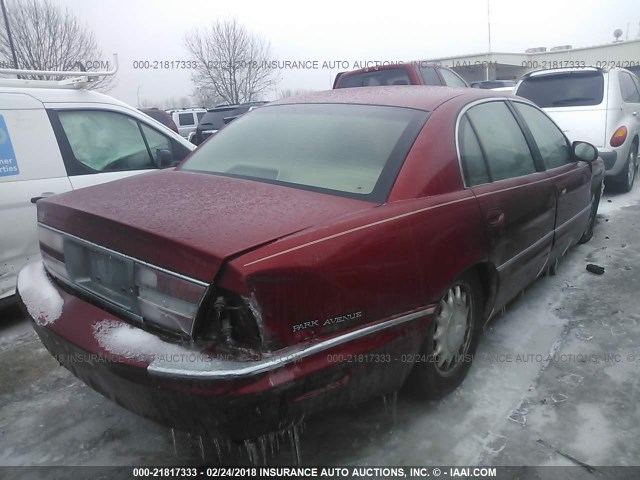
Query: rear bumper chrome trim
[[222, 370]]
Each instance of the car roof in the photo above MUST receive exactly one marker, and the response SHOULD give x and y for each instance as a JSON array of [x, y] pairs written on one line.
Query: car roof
[[63, 95], [422, 97]]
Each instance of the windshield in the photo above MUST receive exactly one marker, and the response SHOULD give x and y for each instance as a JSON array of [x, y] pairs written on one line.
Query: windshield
[[349, 150], [568, 89]]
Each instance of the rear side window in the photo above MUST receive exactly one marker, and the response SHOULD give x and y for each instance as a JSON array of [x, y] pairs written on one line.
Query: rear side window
[[473, 163], [451, 79], [502, 141], [186, 119], [429, 76], [393, 76], [551, 142], [628, 88], [574, 89], [105, 141], [200, 115]]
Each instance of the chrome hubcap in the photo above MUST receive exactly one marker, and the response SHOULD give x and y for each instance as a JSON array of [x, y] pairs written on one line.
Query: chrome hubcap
[[453, 329]]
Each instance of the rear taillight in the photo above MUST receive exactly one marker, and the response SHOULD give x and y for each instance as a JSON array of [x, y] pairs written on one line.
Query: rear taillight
[[618, 137], [157, 297], [165, 300]]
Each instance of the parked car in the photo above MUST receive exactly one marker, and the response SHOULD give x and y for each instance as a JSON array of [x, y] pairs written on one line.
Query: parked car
[[216, 118], [161, 116], [493, 84], [593, 104], [187, 119], [318, 251], [412, 73], [55, 139]]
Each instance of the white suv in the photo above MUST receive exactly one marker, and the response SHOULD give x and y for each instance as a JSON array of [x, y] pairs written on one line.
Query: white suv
[[596, 105], [187, 119], [55, 139]]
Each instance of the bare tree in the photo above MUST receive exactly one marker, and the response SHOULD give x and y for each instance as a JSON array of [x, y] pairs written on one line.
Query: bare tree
[[231, 62], [294, 92], [47, 37], [206, 97]]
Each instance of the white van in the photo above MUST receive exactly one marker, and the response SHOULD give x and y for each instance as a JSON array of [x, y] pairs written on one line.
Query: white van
[[599, 106], [56, 136]]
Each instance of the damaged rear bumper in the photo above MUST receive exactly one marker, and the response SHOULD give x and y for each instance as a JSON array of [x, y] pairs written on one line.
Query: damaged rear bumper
[[201, 392]]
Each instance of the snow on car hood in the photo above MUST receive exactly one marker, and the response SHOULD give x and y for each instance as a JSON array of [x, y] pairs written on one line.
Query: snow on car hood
[[189, 222]]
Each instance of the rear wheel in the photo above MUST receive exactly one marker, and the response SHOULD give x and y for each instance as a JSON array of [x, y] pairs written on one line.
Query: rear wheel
[[627, 176], [451, 341]]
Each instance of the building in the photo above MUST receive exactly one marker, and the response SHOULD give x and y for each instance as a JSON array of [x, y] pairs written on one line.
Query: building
[[511, 66]]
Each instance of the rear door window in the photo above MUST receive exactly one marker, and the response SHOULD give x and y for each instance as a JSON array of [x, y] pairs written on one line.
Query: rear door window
[[502, 140], [628, 88], [551, 142], [568, 89], [473, 161]]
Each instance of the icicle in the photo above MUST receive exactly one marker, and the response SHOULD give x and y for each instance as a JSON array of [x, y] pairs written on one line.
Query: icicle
[[201, 447], [263, 448], [216, 444], [173, 437], [295, 445], [250, 447]]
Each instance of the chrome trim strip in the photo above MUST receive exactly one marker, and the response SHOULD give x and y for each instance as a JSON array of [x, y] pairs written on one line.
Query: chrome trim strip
[[120, 254], [574, 218], [362, 227], [526, 250], [555, 230], [221, 370]]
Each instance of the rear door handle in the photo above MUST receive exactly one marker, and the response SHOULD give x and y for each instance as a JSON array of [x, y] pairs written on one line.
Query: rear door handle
[[495, 218]]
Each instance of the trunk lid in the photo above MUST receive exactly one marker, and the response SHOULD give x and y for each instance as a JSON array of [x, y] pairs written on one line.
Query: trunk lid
[[189, 222]]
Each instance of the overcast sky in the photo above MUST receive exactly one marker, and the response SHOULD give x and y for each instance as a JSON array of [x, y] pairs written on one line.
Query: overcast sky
[[343, 30]]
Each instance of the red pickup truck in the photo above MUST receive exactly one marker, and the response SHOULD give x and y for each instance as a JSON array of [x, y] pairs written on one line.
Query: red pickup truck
[[413, 73]]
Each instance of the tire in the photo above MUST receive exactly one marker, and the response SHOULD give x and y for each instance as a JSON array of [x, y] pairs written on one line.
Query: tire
[[626, 177], [431, 378], [595, 202]]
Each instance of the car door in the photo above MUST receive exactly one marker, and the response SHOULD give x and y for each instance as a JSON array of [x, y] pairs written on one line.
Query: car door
[[516, 197], [102, 145], [572, 178], [31, 167]]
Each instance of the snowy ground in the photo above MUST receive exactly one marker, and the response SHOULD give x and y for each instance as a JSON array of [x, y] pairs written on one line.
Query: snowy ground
[[515, 408]]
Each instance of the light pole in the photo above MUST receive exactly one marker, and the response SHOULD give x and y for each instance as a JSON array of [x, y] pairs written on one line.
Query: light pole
[[9, 37], [489, 35]]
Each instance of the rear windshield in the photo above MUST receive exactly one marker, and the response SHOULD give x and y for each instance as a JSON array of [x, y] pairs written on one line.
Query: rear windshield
[[214, 120], [349, 150], [392, 76], [574, 89]]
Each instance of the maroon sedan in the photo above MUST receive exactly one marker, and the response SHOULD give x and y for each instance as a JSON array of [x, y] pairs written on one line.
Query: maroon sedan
[[318, 251]]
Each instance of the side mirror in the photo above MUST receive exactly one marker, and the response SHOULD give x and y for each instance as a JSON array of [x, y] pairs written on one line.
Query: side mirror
[[163, 158], [584, 151]]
